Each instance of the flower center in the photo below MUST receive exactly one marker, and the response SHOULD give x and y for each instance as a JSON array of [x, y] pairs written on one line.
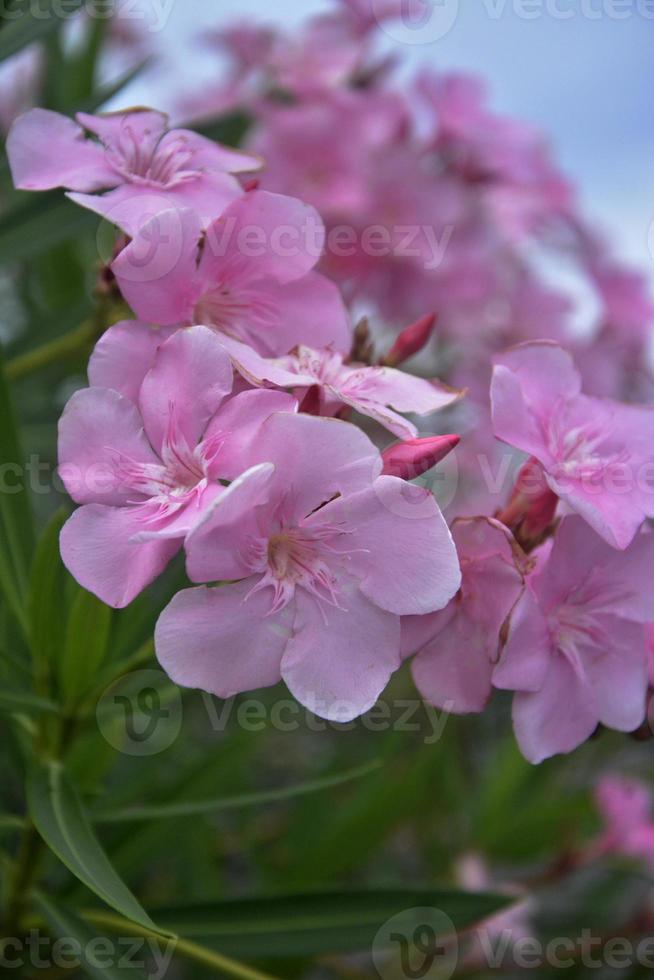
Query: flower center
[[300, 557], [241, 314], [577, 626], [180, 472], [582, 452], [149, 159]]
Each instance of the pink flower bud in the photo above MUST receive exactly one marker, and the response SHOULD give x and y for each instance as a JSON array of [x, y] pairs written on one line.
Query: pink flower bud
[[413, 457], [532, 506], [411, 340]]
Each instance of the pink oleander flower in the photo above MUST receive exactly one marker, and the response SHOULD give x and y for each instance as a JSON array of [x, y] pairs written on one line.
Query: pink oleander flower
[[627, 810], [457, 648], [597, 454], [576, 653], [250, 275], [145, 461], [506, 158], [370, 390], [141, 165], [322, 557]]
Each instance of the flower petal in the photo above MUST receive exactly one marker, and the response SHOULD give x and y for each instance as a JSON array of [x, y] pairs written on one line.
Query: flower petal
[[47, 150], [308, 311], [558, 717], [123, 356], [191, 376], [217, 548], [618, 676], [97, 431], [315, 459], [234, 430], [98, 550], [263, 235], [338, 662], [157, 272], [400, 545], [454, 671], [221, 640]]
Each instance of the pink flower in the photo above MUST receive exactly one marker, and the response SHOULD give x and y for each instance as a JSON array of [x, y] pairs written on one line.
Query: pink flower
[[143, 166], [627, 810], [249, 276], [598, 455], [144, 462], [457, 648], [575, 652], [323, 559], [369, 390]]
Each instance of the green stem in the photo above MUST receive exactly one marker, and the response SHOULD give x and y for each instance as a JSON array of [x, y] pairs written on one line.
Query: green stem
[[21, 880], [184, 947], [66, 346]]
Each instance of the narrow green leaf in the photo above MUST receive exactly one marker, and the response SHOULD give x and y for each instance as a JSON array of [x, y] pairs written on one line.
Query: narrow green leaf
[[196, 807], [229, 130], [30, 21], [11, 701], [312, 924], [35, 225], [16, 528], [60, 818], [8, 821], [85, 647], [46, 598], [65, 924], [106, 92]]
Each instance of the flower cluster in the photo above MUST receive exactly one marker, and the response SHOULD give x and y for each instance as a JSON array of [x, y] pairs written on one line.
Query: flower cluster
[[242, 420]]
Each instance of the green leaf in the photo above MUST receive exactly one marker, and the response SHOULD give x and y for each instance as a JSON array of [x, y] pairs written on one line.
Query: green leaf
[[30, 21], [60, 818], [36, 225], [312, 924], [106, 92], [30, 704], [64, 924], [229, 130], [16, 528], [85, 647], [46, 598], [196, 807]]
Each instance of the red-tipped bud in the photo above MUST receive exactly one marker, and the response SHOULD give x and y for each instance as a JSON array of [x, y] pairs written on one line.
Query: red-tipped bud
[[413, 457], [532, 506], [411, 340]]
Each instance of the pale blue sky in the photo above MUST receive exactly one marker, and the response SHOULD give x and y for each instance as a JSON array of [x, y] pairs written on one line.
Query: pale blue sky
[[585, 79]]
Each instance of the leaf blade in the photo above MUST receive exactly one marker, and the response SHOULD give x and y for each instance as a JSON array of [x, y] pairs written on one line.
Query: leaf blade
[[311, 924], [60, 819], [195, 808], [65, 924]]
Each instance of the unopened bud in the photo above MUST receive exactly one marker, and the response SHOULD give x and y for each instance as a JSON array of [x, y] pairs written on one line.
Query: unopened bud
[[414, 457], [532, 506], [411, 340]]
